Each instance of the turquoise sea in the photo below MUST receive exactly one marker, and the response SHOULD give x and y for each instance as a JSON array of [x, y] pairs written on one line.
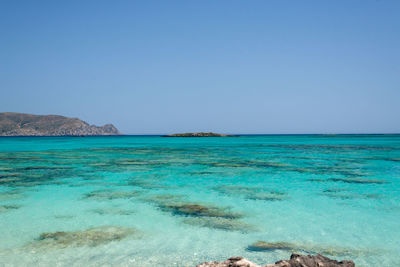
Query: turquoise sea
[[154, 201]]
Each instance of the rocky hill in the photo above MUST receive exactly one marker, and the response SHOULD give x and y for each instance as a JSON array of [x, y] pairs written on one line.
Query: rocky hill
[[20, 124]]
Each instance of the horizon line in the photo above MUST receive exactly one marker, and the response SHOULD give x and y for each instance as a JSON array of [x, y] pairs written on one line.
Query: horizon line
[[237, 135]]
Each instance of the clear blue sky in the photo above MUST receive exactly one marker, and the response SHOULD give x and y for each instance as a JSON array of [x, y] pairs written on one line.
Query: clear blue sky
[[226, 66]]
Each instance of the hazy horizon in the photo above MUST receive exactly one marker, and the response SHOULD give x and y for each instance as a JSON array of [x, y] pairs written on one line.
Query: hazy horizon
[[153, 67]]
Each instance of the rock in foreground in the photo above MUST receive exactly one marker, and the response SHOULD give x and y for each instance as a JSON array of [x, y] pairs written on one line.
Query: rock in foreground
[[20, 124], [201, 134], [295, 261]]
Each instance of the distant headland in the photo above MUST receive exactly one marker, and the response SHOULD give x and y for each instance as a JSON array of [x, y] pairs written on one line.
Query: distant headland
[[200, 134], [21, 124]]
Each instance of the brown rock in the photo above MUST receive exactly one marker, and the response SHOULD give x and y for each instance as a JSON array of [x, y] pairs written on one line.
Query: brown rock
[[231, 262], [295, 261], [311, 261]]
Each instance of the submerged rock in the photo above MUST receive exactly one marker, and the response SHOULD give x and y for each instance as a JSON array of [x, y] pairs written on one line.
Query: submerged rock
[[307, 248], [11, 195], [110, 195], [202, 215], [231, 262], [29, 168], [294, 261], [328, 170], [163, 198], [91, 237], [220, 224], [358, 180], [33, 176], [202, 173], [148, 185], [5, 208], [8, 174], [311, 261], [252, 192], [265, 246], [197, 210], [345, 194], [348, 180], [112, 211], [176, 205], [235, 163], [318, 180]]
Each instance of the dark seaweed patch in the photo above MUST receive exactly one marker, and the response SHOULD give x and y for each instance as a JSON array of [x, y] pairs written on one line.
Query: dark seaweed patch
[[110, 195], [145, 184], [357, 181], [268, 246], [91, 237], [175, 205], [252, 192], [220, 224], [112, 211], [11, 195], [5, 208], [308, 248], [348, 180], [30, 168], [197, 210], [345, 194]]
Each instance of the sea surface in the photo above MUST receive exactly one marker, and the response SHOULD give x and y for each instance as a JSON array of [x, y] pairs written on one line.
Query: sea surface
[[154, 201]]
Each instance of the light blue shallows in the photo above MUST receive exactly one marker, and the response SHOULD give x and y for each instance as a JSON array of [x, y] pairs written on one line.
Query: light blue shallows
[[183, 201]]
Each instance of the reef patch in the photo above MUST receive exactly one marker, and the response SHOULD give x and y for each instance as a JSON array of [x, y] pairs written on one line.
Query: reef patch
[[5, 208], [344, 194], [11, 195], [220, 224], [105, 194], [199, 214], [145, 184], [308, 248], [357, 180], [251, 192], [91, 237], [112, 211], [198, 210], [348, 180]]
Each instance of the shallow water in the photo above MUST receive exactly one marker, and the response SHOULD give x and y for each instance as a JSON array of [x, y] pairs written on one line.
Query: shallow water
[[153, 201]]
